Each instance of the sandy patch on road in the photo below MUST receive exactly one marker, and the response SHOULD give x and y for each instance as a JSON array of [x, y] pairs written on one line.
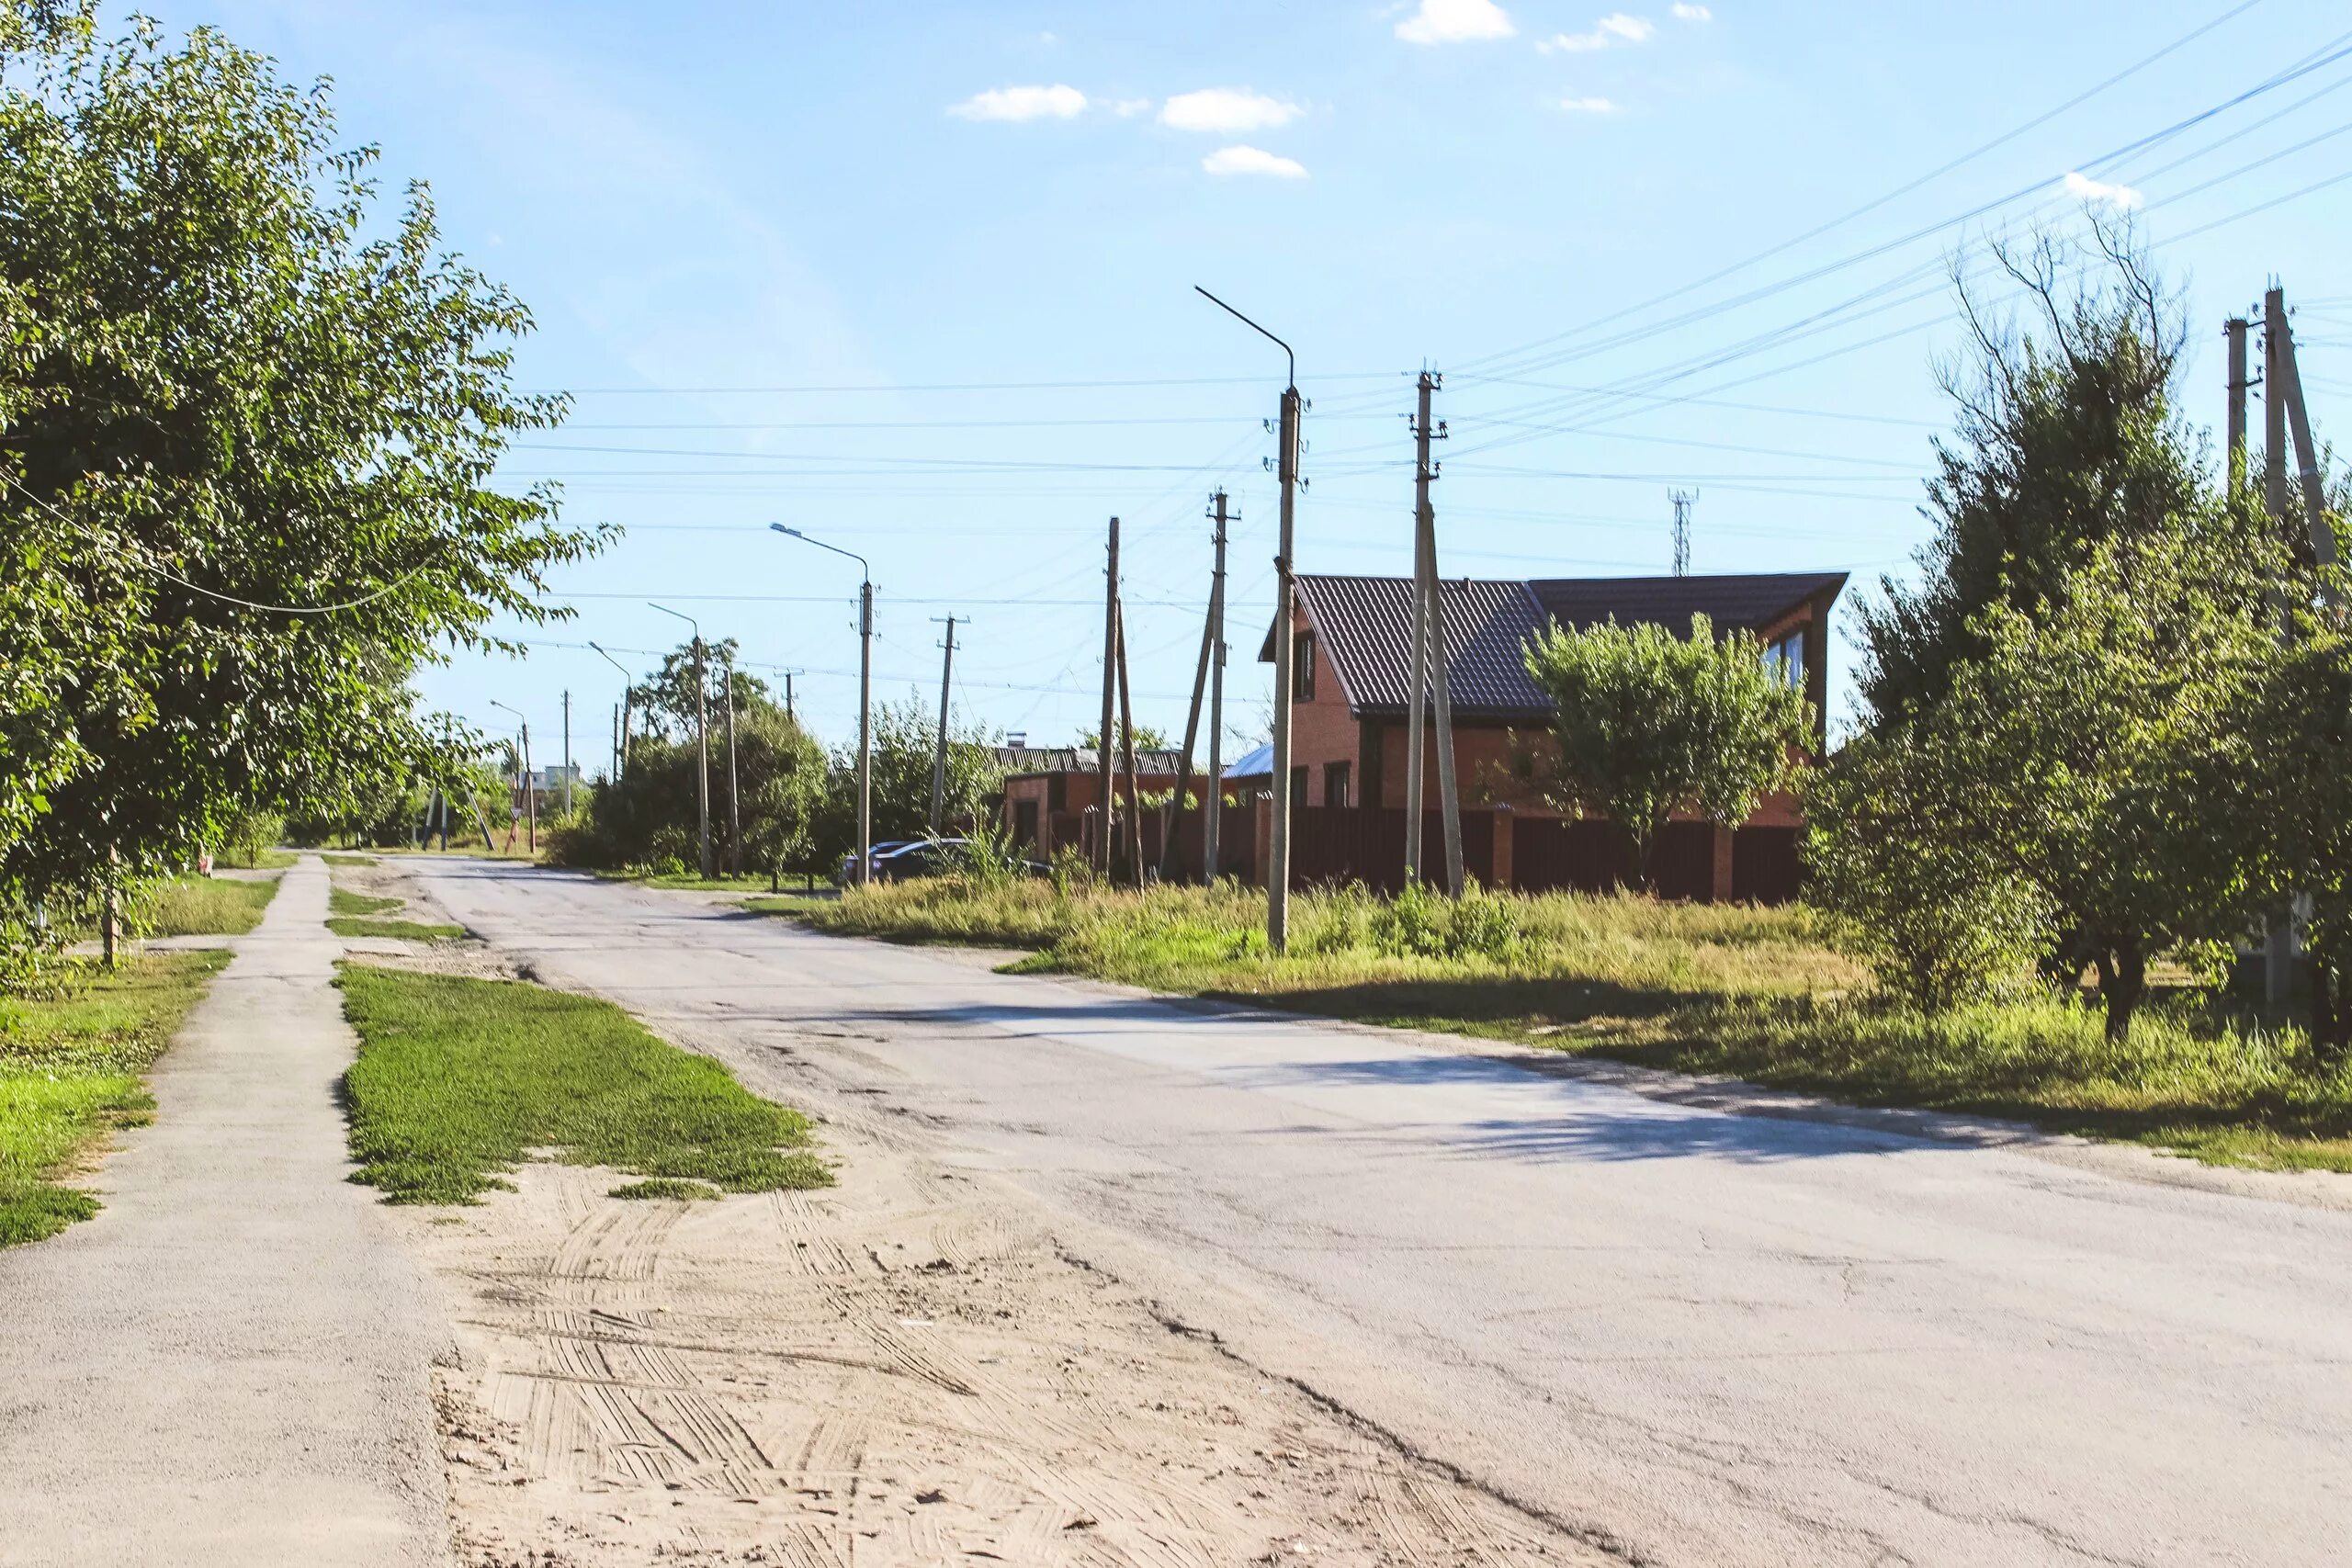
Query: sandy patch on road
[[904, 1370]]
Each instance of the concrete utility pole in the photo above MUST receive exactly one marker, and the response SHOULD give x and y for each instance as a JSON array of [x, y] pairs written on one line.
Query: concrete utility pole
[[939, 756], [530, 801], [1285, 639], [864, 700], [1110, 697], [1174, 816], [616, 741], [1214, 805], [1127, 751], [734, 804], [567, 752], [1683, 499], [788, 711], [2290, 390], [1417, 682], [701, 743], [1449, 787], [620, 753]]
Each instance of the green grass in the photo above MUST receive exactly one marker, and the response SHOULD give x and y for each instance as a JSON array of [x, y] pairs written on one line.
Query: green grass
[[1763, 994], [340, 902], [200, 906], [70, 1072], [406, 931], [664, 1186], [460, 1079], [348, 860], [689, 882], [267, 859]]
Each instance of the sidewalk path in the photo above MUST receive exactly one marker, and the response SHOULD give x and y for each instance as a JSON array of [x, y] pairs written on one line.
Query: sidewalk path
[[230, 1364]]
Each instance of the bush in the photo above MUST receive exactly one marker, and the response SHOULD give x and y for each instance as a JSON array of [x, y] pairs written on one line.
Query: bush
[[249, 838]]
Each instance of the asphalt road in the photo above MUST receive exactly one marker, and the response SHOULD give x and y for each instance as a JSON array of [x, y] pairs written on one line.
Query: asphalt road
[[1710, 1338]]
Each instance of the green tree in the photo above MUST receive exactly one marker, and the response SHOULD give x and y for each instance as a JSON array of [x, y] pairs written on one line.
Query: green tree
[[905, 737], [2065, 438], [663, 702], [1647, 724], [231, 381], [2104, 756], [2305, 787], [1146, 739]]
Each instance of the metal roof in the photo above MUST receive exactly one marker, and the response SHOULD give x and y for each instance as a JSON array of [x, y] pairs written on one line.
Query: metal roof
[[1366, 624], [1027, 762]]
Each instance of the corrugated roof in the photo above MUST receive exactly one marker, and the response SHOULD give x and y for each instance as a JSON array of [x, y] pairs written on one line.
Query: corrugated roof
[[1256, 763], [1732, 601], [1023, 761], [1367, 626]]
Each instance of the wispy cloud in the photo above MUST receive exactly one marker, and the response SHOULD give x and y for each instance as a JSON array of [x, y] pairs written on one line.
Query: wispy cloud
[[1254, 160], [1227, 110], [1456, 21], [2083, 188], [1614, 28], [1683, 13], [1588, 105], [1015, 104]]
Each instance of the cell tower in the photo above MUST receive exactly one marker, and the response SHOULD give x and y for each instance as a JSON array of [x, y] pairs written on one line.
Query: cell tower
[[1683, 499]]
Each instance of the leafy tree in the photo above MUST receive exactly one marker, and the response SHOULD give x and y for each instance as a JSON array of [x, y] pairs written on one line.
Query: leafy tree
[[1146, 739], [1648, 724], [2103, 756], [906, 736], [229, 380], [2306, 796], [663, 702], [2066, 439]]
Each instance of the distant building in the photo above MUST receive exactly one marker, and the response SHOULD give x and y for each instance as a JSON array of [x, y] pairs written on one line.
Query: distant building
[[1050, 791]]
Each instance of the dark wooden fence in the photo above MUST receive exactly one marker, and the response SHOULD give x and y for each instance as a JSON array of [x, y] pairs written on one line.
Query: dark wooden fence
[[1352, 843]]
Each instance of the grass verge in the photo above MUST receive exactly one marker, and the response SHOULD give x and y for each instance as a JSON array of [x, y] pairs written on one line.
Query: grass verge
[[201, 906], [70, 1072], [460, 1079], [348, 860], [1762, 994], [406, 931], [340, 902]]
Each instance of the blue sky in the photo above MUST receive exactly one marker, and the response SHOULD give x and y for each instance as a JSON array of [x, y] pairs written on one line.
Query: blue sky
[[718, 213]]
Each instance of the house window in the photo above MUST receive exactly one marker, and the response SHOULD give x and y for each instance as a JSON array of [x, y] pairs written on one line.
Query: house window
[[1335, 784], [1024, 822], [1298, 787], [1302, 666], [1785, 658]]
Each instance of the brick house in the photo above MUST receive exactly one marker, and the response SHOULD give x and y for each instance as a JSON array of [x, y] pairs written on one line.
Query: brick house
[[1051, 792], [1354, 644]]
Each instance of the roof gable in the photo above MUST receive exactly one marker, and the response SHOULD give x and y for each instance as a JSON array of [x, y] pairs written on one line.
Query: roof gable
[[1744, 601]]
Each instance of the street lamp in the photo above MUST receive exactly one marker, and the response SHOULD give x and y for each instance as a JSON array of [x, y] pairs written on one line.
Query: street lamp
[[1286, 466], [865, 698], [620, 750], [530, 799], [701, 743]]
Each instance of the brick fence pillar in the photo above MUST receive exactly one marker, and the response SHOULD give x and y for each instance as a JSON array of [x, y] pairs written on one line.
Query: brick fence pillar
[[1498, 876], [1720, 892]]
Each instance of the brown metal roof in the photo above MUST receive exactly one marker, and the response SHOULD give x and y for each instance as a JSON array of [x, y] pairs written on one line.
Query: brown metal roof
[[1030, 761], [1366, 624], [1748, 602]]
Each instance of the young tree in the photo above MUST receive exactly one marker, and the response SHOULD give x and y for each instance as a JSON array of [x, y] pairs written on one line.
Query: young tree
[[905, 737], [2305, 789], [252, 420], [2066, 438], [2105, 756], [1648, 724]]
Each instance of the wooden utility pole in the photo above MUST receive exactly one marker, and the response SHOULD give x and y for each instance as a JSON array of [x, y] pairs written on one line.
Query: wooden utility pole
[[616, 741], [734, 803], [1171, 818], [1127, 752], [2233, 330], [1212, 805], [530, 798], [939, 756], [567, 752], [1110, 696], [1418, 682], [2289, 390], [1285, 676], [788, 712]]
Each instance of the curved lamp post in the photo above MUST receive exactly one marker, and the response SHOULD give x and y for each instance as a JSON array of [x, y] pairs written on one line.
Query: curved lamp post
[[865, 698]]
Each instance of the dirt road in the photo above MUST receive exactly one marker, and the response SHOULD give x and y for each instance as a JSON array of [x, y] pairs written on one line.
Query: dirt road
[[1722, 1339]]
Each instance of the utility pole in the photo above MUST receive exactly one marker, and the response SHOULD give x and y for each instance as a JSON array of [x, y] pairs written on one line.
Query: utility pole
[[1682, 502], [620, 748], [1128, 751], [788, 711], [1417, 682], [702, 744], [2289, 390], [567, 752], [734, 802], [1110, 696], [616, 742], [1171, 818], [1285, 639], [2233, 330], [1213, 804], [1449, 787], [939, 756]]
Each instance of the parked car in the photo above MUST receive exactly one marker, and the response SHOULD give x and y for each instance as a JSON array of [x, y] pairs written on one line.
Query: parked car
[[846, 872], [927, 857]]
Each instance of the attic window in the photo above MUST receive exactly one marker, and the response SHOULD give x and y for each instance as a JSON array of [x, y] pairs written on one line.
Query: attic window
[[1785, 658], [1302, 666]]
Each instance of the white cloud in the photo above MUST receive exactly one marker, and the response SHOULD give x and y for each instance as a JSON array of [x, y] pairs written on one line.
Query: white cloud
[[1056, 102], [2083, 187], [1588, 105], [1614, 28], [1127, 108], [1227, 110], [1456, 21], [1252, 160], [1683, 13]]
